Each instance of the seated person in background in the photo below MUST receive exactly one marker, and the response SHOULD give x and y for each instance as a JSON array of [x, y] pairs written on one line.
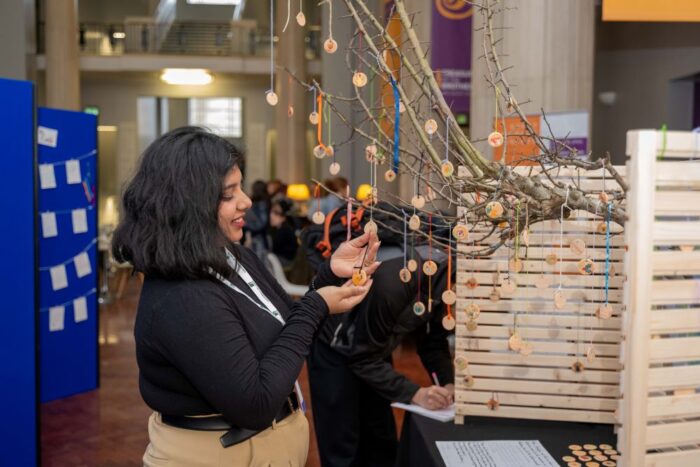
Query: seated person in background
[[283, 231], [351, 375]]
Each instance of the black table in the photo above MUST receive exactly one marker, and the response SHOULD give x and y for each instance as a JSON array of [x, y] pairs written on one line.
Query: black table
[[418, 449]]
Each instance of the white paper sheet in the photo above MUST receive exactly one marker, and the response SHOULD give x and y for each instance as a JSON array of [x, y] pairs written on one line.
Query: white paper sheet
[[56, 318], [47, 136], [48, 224], [80, 312], [73, 172], [47, 177], [80, 224], [495, 454], [442, 415], [59, 279], [82, 265]]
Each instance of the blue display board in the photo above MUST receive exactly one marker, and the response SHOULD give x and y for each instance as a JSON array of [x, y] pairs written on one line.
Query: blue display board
[[67, 231], [18, 391]]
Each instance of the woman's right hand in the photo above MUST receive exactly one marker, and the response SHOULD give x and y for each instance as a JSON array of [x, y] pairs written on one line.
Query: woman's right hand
[[344, 298]]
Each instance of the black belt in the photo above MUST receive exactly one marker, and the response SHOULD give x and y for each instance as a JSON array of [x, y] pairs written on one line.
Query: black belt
[[234, 434]]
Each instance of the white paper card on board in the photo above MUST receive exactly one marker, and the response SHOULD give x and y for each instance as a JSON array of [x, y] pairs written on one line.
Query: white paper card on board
[[48, 224], [73, 172], [82, 265], [47, 177], [57, 315], [495, 454], [79, 221], [80, 312], [47, 136], [59, 279]]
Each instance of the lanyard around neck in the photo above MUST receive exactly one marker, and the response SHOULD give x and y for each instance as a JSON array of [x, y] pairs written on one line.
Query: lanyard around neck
[[264, 303]]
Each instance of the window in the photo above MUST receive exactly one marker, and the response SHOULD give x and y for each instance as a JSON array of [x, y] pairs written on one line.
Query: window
[[222, 115]]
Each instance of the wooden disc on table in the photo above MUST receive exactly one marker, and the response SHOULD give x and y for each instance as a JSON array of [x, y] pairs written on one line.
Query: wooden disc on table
[[418, 308], [359, 277], [405, 275], [460, 232], [609, 463], [515, 264], [318, 217], [596, 452], [412, 265], [515, 342], [313, 118], [330, 46], [577, 367], [579, 452], [586, 267], [575, 447], [568, 458], [319, 152], [614, 457], [494, 210], [461, 363], [449, 297], [473, 311], [495, 295], [577, 246], [469, 381], [447, 169], [508, 286], [472, 283], [574, 464], [371, 227], [592, 464], [585, 458], [389, 175], [271, 98], [526, 349], [414, 222], [604, 311], [606, 446], [495, 139], [429, 267], [608, 452], [430, 126], [359, 79], [559, 299], [371, 153], [588, 447], [600, 457], [418, 201], [543, 281], [472, 325], [448, 322], [334, 168], [301, 19], [551, 259]]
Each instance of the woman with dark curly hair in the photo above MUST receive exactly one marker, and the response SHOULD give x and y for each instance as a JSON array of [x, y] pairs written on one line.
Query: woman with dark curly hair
[[218, 343]]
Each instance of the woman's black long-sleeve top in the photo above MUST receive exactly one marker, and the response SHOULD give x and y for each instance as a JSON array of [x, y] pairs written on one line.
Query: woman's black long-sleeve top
[[203, 348]]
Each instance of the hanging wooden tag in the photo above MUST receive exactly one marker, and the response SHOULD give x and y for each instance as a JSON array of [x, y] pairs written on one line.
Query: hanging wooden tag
[[313, 118], [577, 246], [301, 19], [271, 98], [319, 152], [472, 283], [515, 265], [418, 201], [460, 232], [405, 275], [448, 322], [461, 363], [359, 277], [495, 139], [418, 308], [359, 79], [318, 217], [552, 259], [371, 153], [389, 175], [494, 296], [429, 267], [430, 126], [559, 299], [472, 325], [586, 267], [334, 168], [371, 227], [414, 222], [494, 210], [449, 297], [412, 265], [577, 367], [604, 311], [330, 45], [508, 286], [447, 169], [515, 342], [473, 311]]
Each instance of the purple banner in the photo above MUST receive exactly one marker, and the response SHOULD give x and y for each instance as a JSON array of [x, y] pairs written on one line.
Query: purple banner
[[452, 51]]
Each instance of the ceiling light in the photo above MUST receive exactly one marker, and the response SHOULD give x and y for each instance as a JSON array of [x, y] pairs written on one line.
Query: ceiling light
[[187, 76]]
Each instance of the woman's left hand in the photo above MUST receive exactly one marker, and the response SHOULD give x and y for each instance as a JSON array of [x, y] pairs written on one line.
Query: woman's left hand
[[350, 255]]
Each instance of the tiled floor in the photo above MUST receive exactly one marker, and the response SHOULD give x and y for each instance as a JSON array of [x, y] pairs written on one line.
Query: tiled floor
[[108, 427]]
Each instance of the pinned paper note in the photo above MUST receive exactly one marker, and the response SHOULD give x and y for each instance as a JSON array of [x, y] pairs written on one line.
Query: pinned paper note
[[48, 224], [82, 265], [73, 172], [47, 136], [47, 177], [79, 221], [80, 311], [57, 316], [59, 279]]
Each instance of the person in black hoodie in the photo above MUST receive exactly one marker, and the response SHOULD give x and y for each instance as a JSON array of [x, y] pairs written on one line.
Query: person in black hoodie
[[351, 375]]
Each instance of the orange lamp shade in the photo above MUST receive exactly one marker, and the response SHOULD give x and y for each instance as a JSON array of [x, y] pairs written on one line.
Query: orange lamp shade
[[298, 192], [363, 192]]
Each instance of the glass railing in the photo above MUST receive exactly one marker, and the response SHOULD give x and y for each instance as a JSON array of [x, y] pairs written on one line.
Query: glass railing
[[237, 38]]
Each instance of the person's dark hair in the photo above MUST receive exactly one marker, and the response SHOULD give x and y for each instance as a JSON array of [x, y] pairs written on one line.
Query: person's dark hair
[[285, 206], [169, 223], [258, 192]]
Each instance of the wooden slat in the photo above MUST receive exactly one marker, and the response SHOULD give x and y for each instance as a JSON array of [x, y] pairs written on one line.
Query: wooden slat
[[479, 237], [673, 434], [535, 413], [547, 374], [670, 321], [674, 406], [679, 144], [676, 262], [530, 279], [675, 291], [673, 459], [564, 362], [684, 173], [573, 295], [527, 320], [553, 334], [535, 266], [674, 349], [525, 307], [560, 172], [674, 377], [676, 233], [538, 400], [677, 203], [568, 348]]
